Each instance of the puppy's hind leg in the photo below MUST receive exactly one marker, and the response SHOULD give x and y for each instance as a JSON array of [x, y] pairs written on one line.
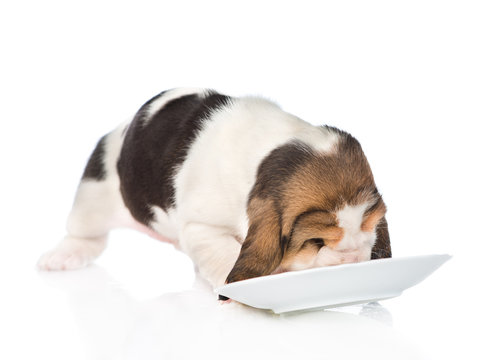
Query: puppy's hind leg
[[98, 208], [88, 227]]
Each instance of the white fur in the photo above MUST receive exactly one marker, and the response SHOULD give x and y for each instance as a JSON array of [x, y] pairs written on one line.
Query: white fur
[[73, 253], [355, 245], [165, 222], [314, 136], [213, 249], [350, 220]]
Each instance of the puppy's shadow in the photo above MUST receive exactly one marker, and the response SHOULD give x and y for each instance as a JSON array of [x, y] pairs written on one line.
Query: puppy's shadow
[[192, 324]]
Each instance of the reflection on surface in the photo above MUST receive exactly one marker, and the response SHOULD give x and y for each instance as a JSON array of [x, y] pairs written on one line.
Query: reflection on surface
[[376, 311], [192, 324]]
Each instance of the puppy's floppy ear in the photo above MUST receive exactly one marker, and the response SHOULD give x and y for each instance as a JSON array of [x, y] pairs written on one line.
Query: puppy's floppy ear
[[382, 247], [262, 250]]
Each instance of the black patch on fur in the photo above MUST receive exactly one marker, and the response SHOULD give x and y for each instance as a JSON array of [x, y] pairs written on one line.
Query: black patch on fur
[[382, 247], [154, 148], [95, 168], [317, 242], [283, 244], [143, 113]]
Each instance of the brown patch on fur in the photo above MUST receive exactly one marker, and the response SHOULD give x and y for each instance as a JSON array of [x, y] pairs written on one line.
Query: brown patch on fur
[[261, 252], [296, 191]]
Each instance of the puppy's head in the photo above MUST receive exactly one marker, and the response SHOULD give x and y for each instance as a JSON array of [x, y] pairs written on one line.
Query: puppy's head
[[310, 209]]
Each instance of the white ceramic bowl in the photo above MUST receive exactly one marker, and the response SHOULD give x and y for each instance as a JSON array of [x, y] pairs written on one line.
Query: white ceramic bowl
[[333, 286]]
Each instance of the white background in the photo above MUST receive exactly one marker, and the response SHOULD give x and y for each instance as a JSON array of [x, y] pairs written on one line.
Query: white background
[[407, 78]]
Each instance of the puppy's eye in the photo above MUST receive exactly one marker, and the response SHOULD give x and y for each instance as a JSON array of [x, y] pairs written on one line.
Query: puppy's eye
[[315, 242]]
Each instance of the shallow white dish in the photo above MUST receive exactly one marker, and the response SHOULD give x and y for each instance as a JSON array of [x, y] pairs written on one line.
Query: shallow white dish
[[333, 286]]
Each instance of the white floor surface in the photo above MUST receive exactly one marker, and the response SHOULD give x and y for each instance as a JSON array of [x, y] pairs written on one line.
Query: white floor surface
[[152, 306]]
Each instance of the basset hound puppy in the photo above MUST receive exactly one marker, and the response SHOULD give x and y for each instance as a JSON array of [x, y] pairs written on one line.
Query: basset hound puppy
[[241, 186]]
